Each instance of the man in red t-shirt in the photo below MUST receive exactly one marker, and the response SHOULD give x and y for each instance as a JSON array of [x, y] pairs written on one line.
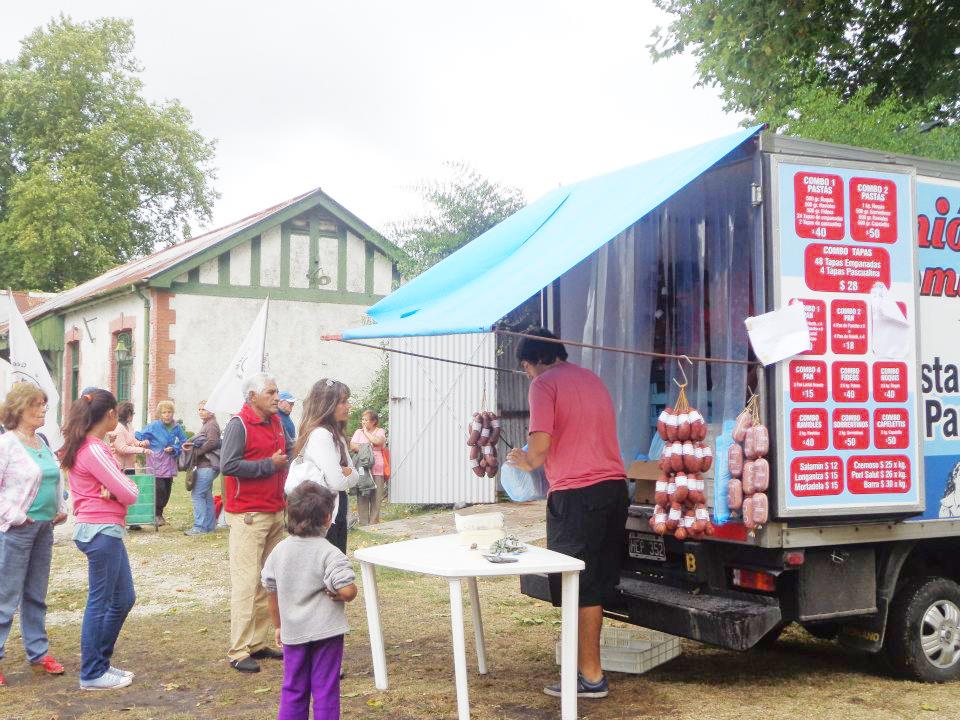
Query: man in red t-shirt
[[253, 458], [573, 431]]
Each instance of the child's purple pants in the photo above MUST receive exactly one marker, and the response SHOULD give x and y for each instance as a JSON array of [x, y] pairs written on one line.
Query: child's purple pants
[[311, 669]]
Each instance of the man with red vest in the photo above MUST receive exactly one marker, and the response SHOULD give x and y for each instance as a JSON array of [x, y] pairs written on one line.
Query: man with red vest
[[253, 458]]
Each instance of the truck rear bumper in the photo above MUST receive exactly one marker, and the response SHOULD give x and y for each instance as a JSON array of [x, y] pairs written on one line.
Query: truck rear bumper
[[735, 623]]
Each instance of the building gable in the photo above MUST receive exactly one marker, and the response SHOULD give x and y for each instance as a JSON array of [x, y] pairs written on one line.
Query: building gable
[[315, 215], [309, 256]]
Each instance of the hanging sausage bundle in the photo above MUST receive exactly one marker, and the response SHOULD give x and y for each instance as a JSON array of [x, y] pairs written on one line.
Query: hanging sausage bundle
[[482, 439], [749, 468], [680, 500]]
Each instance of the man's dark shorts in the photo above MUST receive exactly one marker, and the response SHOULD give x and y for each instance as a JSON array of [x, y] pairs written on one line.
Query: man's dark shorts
[[588, 523]]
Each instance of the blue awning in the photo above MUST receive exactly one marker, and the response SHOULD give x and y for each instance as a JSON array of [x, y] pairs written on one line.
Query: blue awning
[[475, 287]]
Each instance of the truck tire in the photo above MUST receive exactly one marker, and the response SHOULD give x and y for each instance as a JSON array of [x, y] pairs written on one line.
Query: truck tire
[[923, 630]]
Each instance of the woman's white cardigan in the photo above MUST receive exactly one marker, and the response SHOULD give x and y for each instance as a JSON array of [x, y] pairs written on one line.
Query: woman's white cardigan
[[323, 460]]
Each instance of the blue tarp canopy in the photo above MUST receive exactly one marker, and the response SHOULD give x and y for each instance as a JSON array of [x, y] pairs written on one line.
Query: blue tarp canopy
[[475, 287]]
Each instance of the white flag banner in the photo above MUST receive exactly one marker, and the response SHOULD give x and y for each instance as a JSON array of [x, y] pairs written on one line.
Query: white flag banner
[[227, 396], [27, 366], [5, 378]]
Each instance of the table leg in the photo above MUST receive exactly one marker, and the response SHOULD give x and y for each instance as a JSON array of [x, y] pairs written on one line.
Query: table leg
[[570, 599], [459, 649], [372, 601], [477, 626]]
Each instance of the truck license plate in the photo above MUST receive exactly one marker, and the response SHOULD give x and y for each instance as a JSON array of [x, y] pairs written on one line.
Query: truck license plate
[[647, 547]]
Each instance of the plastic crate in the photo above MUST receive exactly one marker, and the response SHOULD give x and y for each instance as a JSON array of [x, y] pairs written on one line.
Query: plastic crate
[[634, 650]]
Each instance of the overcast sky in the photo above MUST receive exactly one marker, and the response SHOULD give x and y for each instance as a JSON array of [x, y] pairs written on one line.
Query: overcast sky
[[366, 98]]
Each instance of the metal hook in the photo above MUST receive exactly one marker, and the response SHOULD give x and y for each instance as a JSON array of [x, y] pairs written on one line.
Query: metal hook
[[680, 367]]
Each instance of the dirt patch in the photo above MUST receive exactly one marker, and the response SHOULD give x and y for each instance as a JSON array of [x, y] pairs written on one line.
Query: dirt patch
[[177, 636]]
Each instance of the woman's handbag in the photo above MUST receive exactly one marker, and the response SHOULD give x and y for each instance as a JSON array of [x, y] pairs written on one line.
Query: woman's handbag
[[386, 462], [301, 470]]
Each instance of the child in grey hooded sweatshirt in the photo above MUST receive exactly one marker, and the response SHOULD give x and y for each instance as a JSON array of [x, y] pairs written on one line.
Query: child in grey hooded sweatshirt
[[309, 580]]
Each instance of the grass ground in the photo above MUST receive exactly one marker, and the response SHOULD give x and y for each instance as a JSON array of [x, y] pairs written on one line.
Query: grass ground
[[177, 635]]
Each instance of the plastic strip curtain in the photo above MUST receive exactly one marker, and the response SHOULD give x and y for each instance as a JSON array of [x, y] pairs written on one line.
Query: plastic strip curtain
[[689, 260]]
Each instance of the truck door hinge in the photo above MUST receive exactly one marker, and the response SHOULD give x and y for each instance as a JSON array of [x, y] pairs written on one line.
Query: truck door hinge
[[756, 194]]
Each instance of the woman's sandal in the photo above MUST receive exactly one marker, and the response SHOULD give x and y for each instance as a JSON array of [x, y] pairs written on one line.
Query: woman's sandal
[[47, 666]]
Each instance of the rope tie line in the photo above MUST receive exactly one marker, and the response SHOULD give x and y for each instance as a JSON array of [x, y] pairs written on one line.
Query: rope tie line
[[426, 357], [629, 351]]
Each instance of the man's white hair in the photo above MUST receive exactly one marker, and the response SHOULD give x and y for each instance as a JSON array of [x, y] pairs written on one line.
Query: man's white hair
[[256, 384]]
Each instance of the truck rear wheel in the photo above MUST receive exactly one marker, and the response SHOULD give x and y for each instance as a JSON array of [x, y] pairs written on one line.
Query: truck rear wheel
[[923, 630]]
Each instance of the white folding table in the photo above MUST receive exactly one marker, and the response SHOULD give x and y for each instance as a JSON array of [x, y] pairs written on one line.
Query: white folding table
[[445, 557]]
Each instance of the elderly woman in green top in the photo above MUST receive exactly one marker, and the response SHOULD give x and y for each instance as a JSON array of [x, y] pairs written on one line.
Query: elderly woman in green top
[[31, 503]]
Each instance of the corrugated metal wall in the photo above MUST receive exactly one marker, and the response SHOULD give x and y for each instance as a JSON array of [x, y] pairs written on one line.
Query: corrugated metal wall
[[430, 404]]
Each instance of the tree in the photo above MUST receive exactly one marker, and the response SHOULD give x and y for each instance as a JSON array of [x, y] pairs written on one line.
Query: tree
[[461, 209], [887, 125], [376, 398], [761, 54], [91, 173]]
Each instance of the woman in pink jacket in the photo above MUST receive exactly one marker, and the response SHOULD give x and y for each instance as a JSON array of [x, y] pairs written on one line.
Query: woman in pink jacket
[[101, 495]]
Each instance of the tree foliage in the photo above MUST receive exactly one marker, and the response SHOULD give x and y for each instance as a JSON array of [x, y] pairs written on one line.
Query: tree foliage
[[887, 125], [91, 173], [762, 54], [460, 209], [376, 398]]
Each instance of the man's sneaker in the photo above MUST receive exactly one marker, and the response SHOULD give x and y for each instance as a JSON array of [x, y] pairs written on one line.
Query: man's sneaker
[[124, 673], [584, 689], [107, 681], [247, 665]]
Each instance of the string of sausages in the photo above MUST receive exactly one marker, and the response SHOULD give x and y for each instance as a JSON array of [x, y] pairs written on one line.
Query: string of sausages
[[749, 469], [681, 502]]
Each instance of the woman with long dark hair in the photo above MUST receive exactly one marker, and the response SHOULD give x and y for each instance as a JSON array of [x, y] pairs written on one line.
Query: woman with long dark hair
[[101, 496], [322, 446]]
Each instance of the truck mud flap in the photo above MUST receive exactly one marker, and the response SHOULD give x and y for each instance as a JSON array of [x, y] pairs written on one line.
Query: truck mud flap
[[733, 623]]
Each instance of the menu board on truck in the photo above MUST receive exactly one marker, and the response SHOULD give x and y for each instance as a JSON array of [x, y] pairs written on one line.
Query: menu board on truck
[[938, 220], [848, 430]]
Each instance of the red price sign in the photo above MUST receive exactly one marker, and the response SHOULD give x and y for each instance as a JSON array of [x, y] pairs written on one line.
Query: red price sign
[[808, 429], [818, 206], [845, 268], [890, 382], [816, 312], [873, 210], [848, 327], [851, 429], [808, 381], [878, 474], [850, 382], [815, 476], [891, 429]]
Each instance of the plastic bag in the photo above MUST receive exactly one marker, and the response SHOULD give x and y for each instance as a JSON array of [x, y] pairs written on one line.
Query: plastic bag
[[522, 486], [721, 474]]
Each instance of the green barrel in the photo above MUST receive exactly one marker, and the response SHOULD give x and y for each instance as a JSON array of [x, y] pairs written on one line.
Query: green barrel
[[143, 511]]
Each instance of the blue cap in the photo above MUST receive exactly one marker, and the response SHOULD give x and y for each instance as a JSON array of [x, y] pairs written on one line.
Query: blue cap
[[288, 396]]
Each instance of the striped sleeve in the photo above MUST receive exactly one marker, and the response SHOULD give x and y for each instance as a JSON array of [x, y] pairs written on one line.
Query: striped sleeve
[[104, 468]]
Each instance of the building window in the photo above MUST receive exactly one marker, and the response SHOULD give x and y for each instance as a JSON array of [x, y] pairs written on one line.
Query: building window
[[124, 359], [74, 371]]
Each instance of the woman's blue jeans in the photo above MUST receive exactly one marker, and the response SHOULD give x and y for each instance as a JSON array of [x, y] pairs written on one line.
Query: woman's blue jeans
[[25, 553], [204, 517], [109, 599]]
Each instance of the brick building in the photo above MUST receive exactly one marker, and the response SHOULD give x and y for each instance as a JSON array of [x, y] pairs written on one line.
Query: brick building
[[166, 326]]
